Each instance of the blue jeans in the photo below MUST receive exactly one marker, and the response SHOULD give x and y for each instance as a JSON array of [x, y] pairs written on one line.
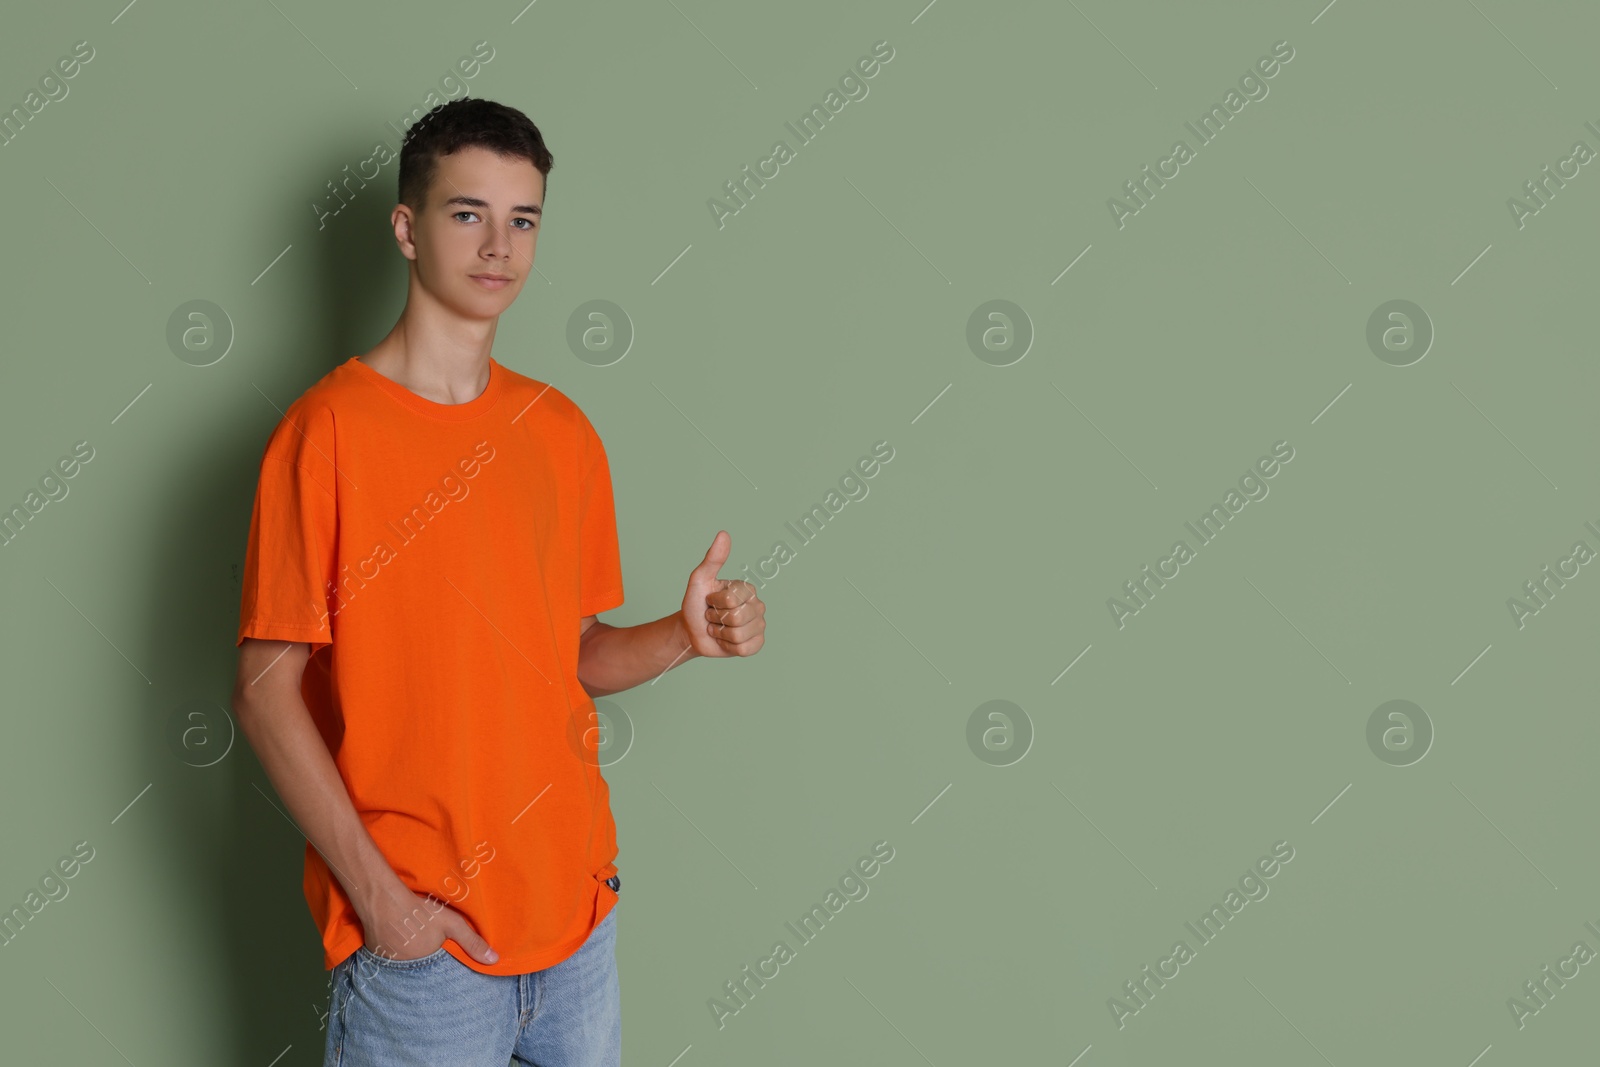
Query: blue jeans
[[435, 1011]]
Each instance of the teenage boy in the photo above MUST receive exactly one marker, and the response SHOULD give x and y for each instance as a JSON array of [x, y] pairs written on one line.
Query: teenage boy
[[432, 538]]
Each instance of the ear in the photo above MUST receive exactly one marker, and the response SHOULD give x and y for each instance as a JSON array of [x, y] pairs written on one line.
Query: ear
[[401, 220]]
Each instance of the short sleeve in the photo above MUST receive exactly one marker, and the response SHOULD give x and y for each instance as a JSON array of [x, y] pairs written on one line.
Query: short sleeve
[[290, 555], [599, 557]]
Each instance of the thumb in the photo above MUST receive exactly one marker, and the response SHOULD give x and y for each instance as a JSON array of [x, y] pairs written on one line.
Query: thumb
[[464, 935], [717, 554]]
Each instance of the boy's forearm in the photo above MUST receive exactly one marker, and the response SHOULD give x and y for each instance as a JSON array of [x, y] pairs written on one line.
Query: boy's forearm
[[614, 658], [291, 750]]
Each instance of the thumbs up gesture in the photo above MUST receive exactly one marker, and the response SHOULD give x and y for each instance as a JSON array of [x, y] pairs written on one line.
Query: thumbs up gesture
[[723, 616]]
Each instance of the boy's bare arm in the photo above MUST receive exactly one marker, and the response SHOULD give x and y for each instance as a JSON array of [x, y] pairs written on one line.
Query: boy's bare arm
[[274, 717], [614, 658], [718, 617]]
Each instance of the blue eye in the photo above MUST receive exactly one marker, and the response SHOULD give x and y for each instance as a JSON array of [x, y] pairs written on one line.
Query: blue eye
[[474, 214]]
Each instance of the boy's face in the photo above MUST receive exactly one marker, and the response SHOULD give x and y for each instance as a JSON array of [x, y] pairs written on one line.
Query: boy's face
[[481, 219]]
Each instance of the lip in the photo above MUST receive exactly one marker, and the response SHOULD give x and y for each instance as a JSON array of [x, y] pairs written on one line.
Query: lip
[[492, 281]]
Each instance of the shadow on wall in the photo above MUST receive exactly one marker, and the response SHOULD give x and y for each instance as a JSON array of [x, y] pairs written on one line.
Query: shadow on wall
[[236, 858]]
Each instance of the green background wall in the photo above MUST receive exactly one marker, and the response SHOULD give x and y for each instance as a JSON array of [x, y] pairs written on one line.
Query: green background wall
[[188, 161]]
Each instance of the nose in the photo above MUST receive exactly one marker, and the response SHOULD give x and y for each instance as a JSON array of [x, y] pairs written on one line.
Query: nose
[[496, 242]]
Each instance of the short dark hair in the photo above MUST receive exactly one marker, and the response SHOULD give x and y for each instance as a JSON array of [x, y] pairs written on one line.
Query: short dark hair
[[466, 123]]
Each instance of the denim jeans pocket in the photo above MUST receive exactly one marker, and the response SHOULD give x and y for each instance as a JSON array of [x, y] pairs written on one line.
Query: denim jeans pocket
[[386, 963]]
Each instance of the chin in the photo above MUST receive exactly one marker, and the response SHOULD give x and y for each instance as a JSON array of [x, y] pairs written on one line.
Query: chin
[[480, 298]]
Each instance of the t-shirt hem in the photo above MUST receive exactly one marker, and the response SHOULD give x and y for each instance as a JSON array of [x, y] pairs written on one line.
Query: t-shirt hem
[[505, 965], [598, 602], [280, 631]]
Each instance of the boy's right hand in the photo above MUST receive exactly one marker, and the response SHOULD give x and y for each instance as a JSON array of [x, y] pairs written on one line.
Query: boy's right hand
[[402, 925]]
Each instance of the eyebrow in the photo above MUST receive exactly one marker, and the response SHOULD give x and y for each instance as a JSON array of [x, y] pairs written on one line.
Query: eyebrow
[[472, 201]]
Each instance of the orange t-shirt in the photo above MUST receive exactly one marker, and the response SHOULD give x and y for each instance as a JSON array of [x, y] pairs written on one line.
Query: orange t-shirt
[[437, 558]]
